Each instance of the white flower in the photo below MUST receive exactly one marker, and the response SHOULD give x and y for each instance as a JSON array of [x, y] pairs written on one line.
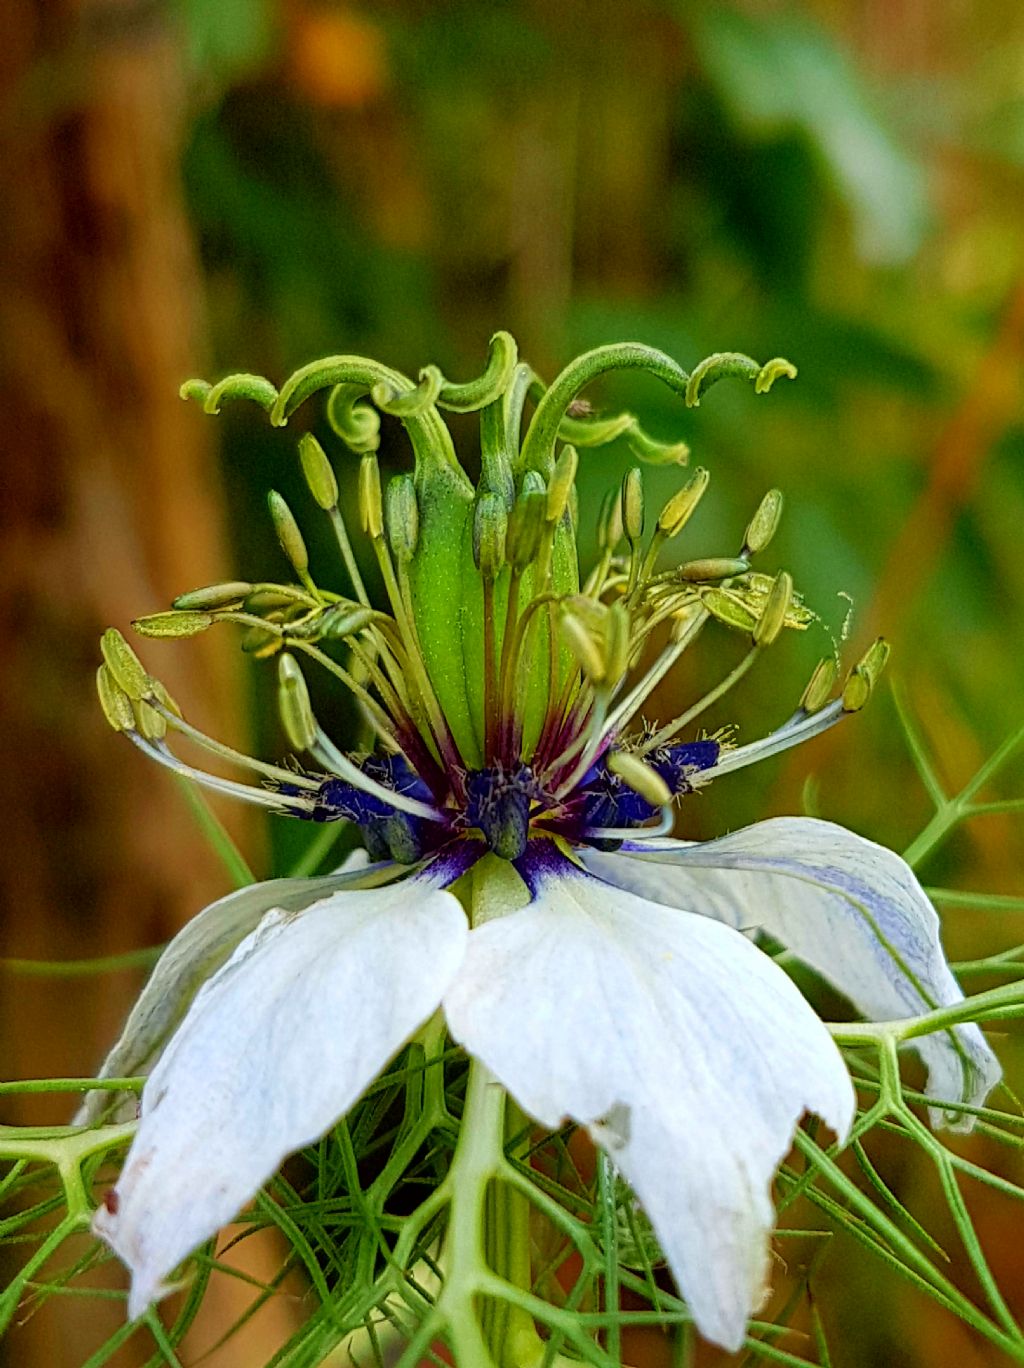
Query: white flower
[[620, 991], [624, 998]]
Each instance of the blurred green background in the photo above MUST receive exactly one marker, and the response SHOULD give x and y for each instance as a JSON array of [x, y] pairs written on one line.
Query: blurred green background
[[215, 185]]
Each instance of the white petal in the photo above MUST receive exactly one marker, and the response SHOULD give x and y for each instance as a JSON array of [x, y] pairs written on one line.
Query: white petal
[[684, 1049], [196, 952], [275, 1047], [849, 908]]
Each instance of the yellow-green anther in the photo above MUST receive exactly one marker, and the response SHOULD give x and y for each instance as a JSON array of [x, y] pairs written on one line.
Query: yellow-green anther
[[773, 617], [260, 641], [288, 534], [228, 595], [344, 621], [148, 722], [525, 528], [819, 686], [712, 568], [116, 705], [371, 509], [617, 641], [728, 610], [263, 601], [856, 691], [294, 705], [176, 623], [403, 518], [562, 483], [765, 522], [161, 696], [490, 529], [319, 473], [640, 777], [609, 523], [874, 660], [125, 665], [683, 504], [588, 653], [633, 505]]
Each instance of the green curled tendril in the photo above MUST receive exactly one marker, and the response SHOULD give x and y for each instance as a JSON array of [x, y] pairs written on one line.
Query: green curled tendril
[[735, 366]]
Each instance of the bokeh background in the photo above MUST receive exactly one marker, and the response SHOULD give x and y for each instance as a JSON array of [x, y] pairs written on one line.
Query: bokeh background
[[199, 186]]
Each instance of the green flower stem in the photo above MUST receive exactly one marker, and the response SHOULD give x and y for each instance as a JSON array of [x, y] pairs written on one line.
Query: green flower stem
[[954, 810], [997, 1003], [481, 1252]]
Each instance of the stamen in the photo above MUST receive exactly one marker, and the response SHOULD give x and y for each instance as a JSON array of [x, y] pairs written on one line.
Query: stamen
[[662, 828], [277, 773], [787, 736], [160, 752], [328, 754]]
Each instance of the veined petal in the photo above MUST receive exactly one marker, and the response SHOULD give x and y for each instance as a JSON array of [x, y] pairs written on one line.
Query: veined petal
[[276, 1046], [688, 1054], [849, 908], [196, 952]]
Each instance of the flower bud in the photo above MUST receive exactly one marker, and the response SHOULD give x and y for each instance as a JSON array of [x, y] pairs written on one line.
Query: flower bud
[[764, 524], [371, 511], [490, 528], [319, 473], [683, 504], [288, 534], [294, 705], [773, 616], [403, 518]]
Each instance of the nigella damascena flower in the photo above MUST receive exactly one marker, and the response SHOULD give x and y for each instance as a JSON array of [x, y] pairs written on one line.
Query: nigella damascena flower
[[519, 875]]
